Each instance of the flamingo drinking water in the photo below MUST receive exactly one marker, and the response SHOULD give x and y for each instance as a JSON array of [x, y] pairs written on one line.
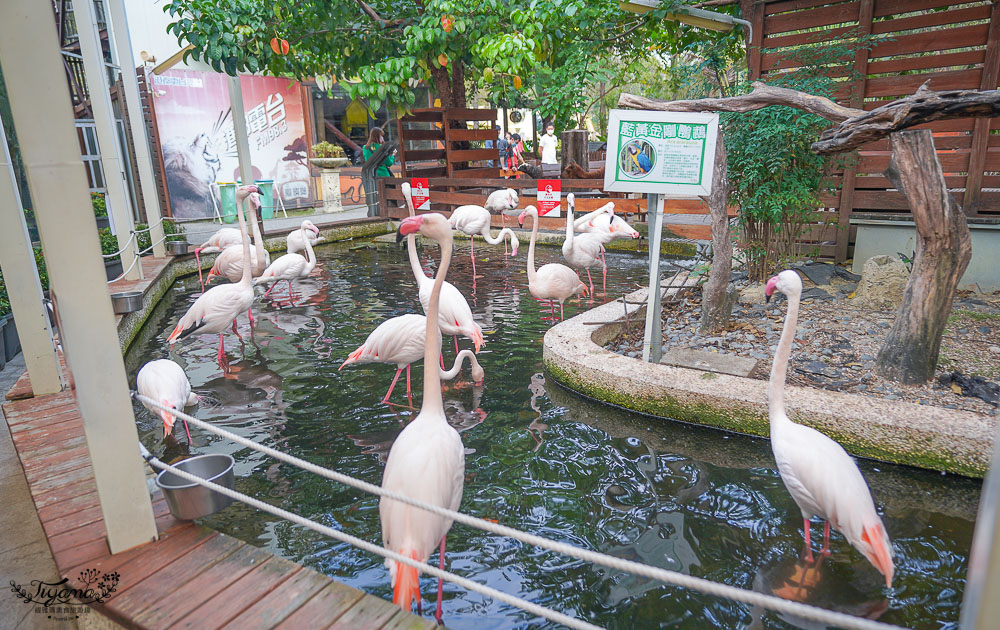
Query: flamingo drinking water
[[165, 382], [818, 472], [427, 460], [290, 267]]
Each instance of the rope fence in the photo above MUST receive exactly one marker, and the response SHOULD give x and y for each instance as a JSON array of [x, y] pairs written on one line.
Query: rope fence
[[701, 585]]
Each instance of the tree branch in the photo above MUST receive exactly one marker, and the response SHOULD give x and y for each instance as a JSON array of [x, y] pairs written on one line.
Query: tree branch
[[370, 12]]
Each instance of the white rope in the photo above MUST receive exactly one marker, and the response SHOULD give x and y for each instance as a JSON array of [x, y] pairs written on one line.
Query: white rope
[[150, 248], [124, 247], [674, 578], [125, 273], [364, 545]]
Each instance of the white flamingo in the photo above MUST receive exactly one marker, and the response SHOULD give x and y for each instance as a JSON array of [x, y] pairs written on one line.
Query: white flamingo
[[229, 264], [818, 472], [475, 221], [222, 239], [427, 460], [502, 202], [165, 382], [295, 241], [454, 314], [399, 340], [289, 267], [478, 374], [218, 307], [582, 251], [552, 281]]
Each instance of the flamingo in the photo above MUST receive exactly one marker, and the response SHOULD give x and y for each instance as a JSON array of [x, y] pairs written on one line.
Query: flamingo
[[454, 314], [502, 201], [475, 220], [290, 266], [296, 243], [222, 239], [606, 226], [218, 307], [427, 460], [552, 281], [818, 472], [229, 264], [584, 250], [478, 374], [398, 340], [165, 381]]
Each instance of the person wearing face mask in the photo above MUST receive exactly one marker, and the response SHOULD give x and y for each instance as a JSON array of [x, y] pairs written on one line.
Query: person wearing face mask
[[548, 145]]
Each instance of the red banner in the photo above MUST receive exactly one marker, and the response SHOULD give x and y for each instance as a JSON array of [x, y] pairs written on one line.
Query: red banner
[[421, 193], [549, 194]]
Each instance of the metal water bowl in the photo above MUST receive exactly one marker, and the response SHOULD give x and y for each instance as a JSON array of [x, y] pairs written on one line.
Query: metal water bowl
[[126, 301], [188, 500], [177, 248]]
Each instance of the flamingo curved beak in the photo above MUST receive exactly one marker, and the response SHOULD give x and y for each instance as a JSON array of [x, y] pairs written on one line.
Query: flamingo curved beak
[[520, 218], [168, 422], [409, 225], [315, 230], [770, 287]]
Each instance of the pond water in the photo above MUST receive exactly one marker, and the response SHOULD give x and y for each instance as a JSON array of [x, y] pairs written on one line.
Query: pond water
[[539, 458]]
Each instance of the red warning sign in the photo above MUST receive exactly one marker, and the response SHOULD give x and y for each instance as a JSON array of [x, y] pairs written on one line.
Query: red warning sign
[[421, 193], [549, 194]]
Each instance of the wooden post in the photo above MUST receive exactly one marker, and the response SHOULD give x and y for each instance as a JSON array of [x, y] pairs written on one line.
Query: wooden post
[[43, 115], [981, 128], [575, 148], [652, 339], [944, 248], [17, 258], [717, 301]]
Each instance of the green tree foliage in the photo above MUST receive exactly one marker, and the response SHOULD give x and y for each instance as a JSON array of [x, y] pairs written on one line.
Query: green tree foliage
[[544, 53]]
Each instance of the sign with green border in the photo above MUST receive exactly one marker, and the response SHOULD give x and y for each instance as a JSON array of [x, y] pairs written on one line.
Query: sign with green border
[[670, 153]]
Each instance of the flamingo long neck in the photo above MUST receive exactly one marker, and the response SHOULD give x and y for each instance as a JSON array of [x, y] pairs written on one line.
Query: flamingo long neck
[[531, 246], [776, 385], [310, 255], [258, 239], [247, 272], [432, 404], [495, 240], [569, 222], [411, 240], [459, 362]]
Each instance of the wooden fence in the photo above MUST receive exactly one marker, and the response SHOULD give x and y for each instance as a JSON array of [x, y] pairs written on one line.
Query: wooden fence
[[446, 137], [954, 46]]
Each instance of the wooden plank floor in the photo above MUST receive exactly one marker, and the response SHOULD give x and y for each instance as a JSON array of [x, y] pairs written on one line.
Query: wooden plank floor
[[192, 576]]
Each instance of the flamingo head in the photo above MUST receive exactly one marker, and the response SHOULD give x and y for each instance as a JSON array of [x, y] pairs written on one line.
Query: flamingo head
[[252, 191], [308, 225], [514, 244], [582, 288], [512, 198], [167, 417], [618, 224], [787, 282], [409, 225], [530, 210], [431, 224], [478, 374]]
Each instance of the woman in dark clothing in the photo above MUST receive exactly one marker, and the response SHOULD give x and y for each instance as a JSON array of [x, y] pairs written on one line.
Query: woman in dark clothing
[[375, 139]]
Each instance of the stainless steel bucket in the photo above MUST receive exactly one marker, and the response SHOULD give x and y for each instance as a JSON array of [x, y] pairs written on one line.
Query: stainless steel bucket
[[126, 301], [177, 248], [188, 500]]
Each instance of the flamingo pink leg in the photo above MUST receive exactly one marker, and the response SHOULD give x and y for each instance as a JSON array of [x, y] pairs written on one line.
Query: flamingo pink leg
[[409, 394], [826, 538], [809, 552], [389, 393], [188, 431], [455, 337], [222, 351], [250, 315], [268, 292], [197, 261], [472, 253], [437, 616], [604, 280], [441, 356], [234, 325], [591, 282], [562, 315]]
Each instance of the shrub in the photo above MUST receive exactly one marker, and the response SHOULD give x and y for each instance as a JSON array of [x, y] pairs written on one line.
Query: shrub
[[100, 206], [327, 150], [109, 242]]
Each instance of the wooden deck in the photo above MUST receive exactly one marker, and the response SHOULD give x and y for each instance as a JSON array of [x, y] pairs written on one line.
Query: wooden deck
[[192, 576]]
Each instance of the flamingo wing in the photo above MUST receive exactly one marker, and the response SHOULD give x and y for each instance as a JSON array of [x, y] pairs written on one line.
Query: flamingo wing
[[469, 219], [222, 239], [287, 267], [214, 310], [555, 281], [397, 340]]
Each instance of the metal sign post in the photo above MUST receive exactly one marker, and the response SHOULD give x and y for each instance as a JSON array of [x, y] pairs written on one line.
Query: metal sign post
[[652, 338]]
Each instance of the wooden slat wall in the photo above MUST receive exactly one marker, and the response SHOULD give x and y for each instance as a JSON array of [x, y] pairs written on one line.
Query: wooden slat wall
[[450, 154], [952, 45]]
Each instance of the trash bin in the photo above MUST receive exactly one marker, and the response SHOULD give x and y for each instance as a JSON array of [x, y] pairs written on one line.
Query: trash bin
[[227, 194], [266, 197]]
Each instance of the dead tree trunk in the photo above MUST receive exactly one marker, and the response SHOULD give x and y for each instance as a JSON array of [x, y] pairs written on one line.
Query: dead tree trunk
[[575, 148], [944, 249], [716, 299]]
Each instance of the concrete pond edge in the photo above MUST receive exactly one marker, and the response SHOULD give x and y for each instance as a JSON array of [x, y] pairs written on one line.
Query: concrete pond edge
[[181, 266], [923, 436]]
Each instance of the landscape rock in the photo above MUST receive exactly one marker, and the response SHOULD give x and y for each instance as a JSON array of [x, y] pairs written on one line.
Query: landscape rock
[[883, 279]]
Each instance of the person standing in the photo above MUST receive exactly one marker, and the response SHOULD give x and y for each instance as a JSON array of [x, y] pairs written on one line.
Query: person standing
[[517, 151], [548, 145], [375, 140]]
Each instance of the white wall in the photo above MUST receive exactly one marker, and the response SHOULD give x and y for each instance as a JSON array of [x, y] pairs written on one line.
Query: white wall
[[147, 23]]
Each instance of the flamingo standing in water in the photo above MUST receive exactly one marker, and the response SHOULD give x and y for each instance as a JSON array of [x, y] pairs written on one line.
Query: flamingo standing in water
[[427, 460], [398, 340], [222, 239], [295, 241], [218, 307], [454, 314], [584, 250], [552, 281], [290, 267], [165, 382], [475, 220], [818, 472]]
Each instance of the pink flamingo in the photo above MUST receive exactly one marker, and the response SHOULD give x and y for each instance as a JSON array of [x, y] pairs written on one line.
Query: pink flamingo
[[398, 340], [229, 264], [165, 381], [290, 267], [222, 239], [295, 241], [475, 220], [552, 281], [454, 314], [818, 472], [218, 307], [583, 251], [427, 460]]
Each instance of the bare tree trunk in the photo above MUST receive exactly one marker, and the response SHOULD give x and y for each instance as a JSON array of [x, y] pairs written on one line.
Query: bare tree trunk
[[943, 251], [716, 299], [576, 148]]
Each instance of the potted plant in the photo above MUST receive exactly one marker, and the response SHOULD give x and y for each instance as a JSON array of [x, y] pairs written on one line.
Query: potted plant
[[330, 157], [109, 245], [100, 210]]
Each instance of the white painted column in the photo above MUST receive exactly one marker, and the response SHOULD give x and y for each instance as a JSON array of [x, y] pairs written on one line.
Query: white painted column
[[652, 340], [17, 260], [240, 128], [119, 205], [43, 115], [143, 155], [981, 603]]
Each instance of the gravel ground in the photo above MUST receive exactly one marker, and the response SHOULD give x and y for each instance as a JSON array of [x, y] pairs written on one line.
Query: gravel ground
[[836, 344]]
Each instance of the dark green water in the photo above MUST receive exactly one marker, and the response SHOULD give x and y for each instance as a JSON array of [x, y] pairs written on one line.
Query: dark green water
[[538, 458]]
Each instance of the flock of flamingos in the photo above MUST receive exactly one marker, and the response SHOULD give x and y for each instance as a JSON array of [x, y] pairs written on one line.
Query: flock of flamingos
[[427, 460]]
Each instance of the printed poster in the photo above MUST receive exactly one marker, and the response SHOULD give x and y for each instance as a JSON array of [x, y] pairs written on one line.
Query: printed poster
[[549, 194], [670, 153], [420, 189], [198, 143]]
